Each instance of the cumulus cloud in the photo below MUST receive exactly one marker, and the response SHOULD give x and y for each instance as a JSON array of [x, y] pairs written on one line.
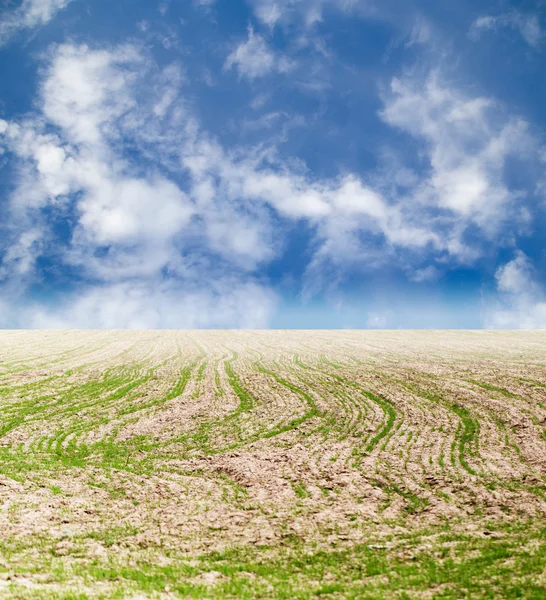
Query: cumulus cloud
[[464, 144], [527, 25], [254, 58], [29, 15], [344, 211], [145, 242], [159, 218], [87, 96], [522, 303], [468, 143]]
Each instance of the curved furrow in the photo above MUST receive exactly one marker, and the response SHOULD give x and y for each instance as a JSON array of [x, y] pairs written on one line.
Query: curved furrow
[[176, 448]]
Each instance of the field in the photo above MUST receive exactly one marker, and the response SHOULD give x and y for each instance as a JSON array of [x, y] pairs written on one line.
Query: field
[[272, 464]]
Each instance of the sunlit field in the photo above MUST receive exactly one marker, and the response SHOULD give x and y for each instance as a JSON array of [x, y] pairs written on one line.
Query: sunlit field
[[272, 464]]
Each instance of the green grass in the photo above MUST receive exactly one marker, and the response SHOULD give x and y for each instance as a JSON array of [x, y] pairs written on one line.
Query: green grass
[[466, 435], [346, 461], [493, 388], [300, 490], [467, 430], [439, 561], [246, 399]]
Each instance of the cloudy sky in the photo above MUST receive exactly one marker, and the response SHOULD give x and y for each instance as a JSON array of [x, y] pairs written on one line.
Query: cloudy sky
[[272, 163]]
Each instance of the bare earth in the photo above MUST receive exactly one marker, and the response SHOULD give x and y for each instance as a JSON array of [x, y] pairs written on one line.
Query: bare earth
[[272, 464]]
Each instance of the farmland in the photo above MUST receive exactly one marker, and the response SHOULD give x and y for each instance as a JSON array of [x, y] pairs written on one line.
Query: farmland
[[272, 464]]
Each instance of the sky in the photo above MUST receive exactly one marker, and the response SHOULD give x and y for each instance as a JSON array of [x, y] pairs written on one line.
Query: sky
[[288, 164]]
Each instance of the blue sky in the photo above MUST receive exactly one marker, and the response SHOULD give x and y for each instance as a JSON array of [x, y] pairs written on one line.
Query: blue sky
[[272, 163]]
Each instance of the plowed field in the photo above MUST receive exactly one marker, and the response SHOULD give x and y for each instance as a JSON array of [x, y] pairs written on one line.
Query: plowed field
[[272, 464]]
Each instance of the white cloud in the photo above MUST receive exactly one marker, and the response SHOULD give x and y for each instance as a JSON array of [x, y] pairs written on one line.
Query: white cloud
[[522, 303], [268, 12], [188, 223], [527, 25], [19, 257], [271, 12], [130, 222], [516, 277], [246, 239], [86, 90], [468, 143], [344, 211], [131, 211], [379, 320], [29, 15], [421, 33], [464, 145], [254, 58], [159, 305], [88, 96], [429, 273]]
